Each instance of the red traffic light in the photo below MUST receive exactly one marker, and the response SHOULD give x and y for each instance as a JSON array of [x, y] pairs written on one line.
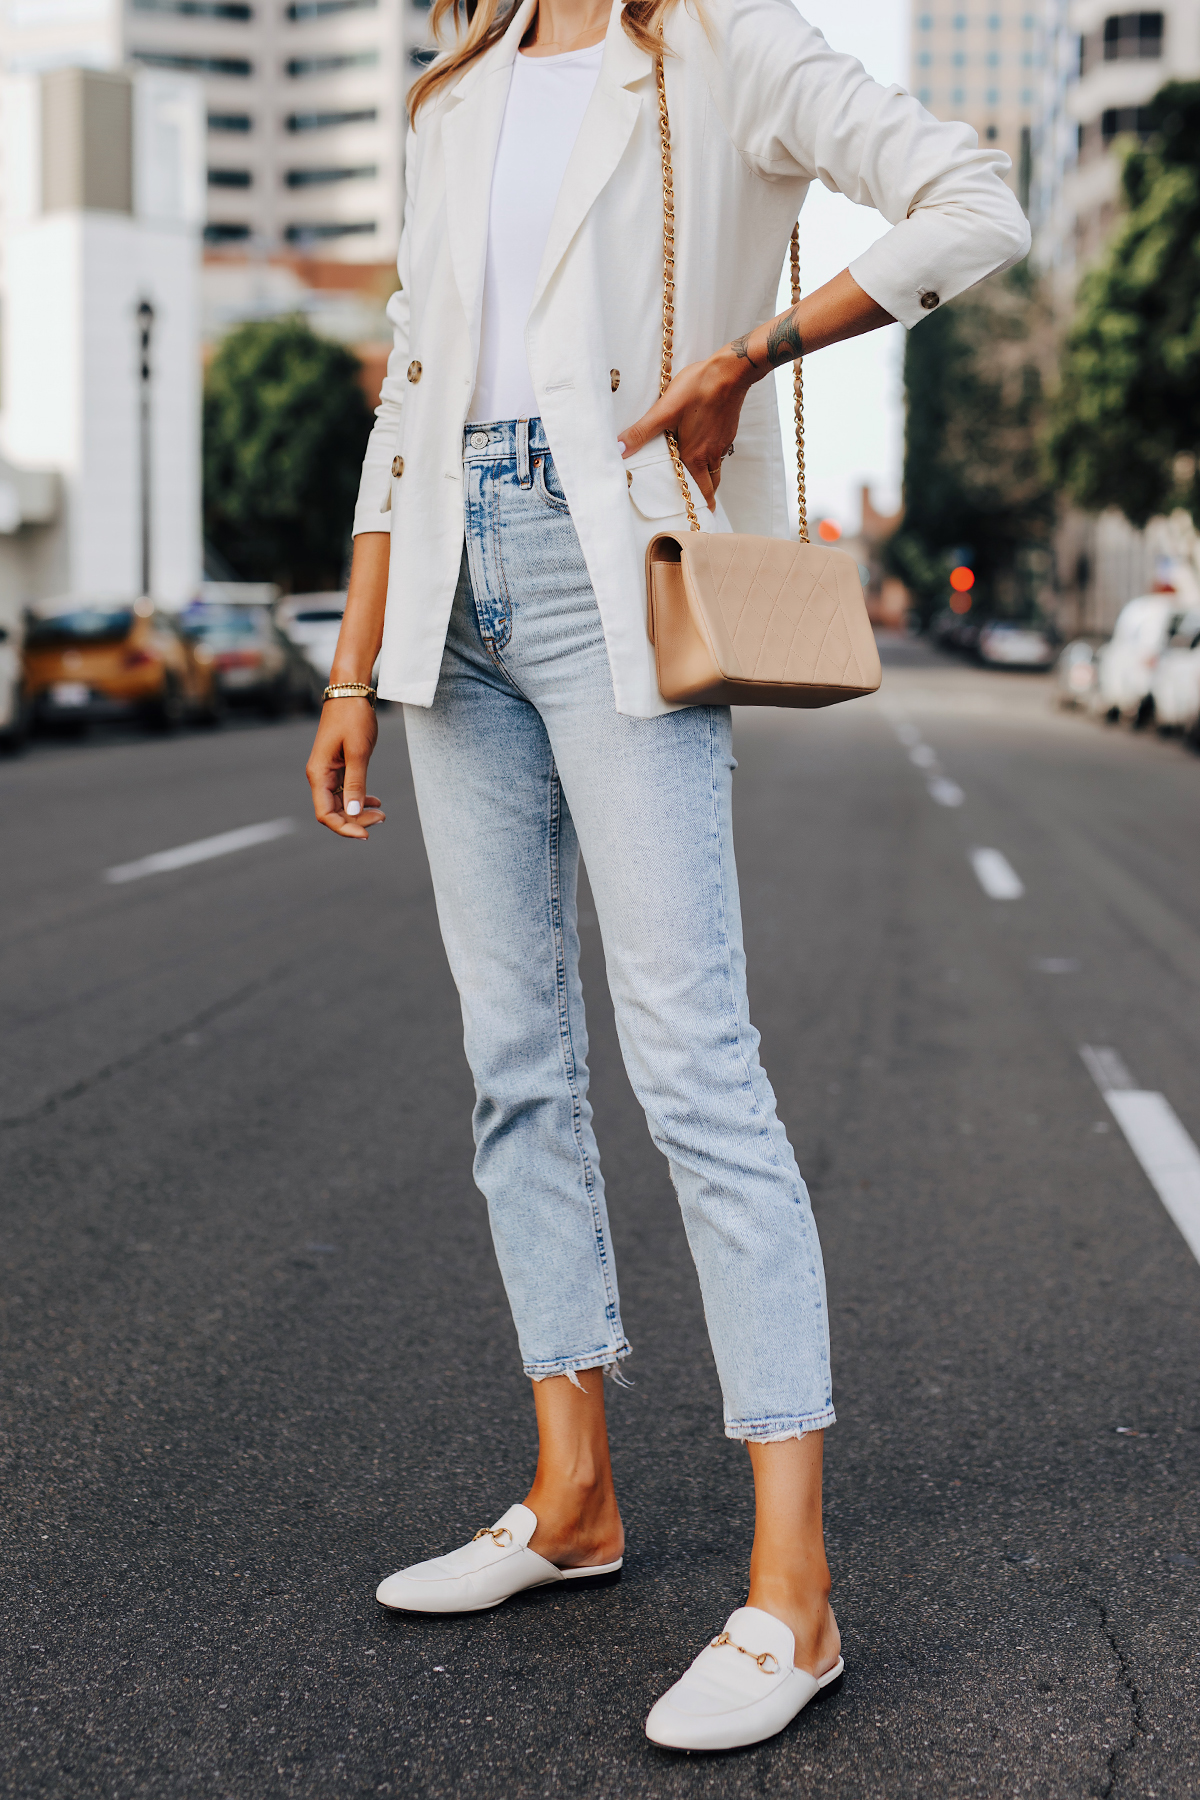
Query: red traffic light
[[962, 579]]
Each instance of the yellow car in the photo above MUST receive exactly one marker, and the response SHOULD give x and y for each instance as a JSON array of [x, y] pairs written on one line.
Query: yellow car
[[92, 660]]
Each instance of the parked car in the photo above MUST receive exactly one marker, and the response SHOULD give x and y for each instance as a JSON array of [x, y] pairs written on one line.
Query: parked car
[[256, 663], [86, 660], [1076, 670], [313, 621], [14, 701], [955, 631], [1125, 676], [1006, 643], [1175, 689]]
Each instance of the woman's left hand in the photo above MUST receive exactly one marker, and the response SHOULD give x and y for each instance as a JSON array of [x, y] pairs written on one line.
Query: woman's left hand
[[703, 407]]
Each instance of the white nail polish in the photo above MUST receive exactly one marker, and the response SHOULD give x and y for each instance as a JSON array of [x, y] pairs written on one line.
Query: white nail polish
[[354, 807]]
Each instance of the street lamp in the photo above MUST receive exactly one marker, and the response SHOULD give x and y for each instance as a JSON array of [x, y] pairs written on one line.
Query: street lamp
[[145, 319]]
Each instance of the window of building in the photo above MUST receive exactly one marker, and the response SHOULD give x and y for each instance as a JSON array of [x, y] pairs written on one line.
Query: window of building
[[302, 234], [229, 121], [1133, 35], [321, 121], [925, 22], [924, 59], [994, 21], [216, 233], [329, 65], [993, 59], [1026, 96], [925, 95], [197, 9], [991, 134], [993, 96], [960, 21], [299, 178], [958, 96], [321, 9], [1119, 121], [959, 59], [193, 65], [229, 178]]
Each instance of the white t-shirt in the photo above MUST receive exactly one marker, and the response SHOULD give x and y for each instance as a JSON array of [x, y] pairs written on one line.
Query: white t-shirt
[[547, 98]]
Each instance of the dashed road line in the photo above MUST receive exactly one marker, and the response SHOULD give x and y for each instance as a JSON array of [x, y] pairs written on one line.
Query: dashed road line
[[944, 791], [996, 875], [1156, 1136], [203, 850]]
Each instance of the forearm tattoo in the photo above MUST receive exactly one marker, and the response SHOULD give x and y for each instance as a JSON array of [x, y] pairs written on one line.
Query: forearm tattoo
[[741, 347], [784, 343]]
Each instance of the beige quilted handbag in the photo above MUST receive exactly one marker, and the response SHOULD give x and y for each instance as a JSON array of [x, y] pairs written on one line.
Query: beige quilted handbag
[[750, 621]]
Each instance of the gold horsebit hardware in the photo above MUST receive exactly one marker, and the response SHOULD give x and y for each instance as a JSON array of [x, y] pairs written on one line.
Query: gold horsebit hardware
[[762, 1659], [499, 1534]]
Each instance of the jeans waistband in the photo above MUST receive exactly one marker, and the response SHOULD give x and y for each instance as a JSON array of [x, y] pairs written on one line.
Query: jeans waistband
[[504, 439]]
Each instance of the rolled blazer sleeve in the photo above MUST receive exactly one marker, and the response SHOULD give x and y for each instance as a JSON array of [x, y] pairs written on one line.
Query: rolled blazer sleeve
[[794, 107], [373, 506]]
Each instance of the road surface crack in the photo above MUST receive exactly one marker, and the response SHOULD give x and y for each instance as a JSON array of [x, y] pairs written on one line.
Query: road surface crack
[[1137, 1714], [162, 1041]]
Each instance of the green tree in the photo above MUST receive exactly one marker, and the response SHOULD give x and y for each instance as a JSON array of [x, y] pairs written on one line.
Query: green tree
[[285, 425], [974, 480], [1125, 427]]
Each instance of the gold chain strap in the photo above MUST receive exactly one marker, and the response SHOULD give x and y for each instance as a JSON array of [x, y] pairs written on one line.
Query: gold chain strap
[[668, 320], [798, 392], [668, 313]]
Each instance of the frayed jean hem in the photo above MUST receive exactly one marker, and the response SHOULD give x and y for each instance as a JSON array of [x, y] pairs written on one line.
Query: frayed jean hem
[[778, 1431], [572, 1366]]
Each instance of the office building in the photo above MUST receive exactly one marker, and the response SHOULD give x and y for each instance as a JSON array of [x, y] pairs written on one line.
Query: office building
[[100, 424], [304, 105], [983, 65]]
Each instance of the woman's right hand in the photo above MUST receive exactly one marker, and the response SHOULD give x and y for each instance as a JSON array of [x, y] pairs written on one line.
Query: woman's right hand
[[337, 768]]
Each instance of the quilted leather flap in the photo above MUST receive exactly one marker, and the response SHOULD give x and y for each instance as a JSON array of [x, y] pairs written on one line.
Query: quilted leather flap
[[778, 610]]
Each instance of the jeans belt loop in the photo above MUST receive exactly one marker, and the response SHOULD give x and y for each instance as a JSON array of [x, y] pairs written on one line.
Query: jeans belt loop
[[523, 473]]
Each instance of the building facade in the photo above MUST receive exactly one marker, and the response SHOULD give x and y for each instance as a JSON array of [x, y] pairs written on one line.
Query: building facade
[[983, 64], [100, 437], [304, 105]]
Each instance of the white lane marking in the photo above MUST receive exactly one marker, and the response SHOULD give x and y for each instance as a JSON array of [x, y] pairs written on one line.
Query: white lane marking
[[1157, 1138], [202, 850], [939, 787], [996, 875]]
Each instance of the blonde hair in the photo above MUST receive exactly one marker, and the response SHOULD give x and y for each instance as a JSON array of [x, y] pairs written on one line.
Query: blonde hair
[[488, 20]]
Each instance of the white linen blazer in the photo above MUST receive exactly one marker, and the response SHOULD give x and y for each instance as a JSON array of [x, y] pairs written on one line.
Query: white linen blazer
[[760, 107]]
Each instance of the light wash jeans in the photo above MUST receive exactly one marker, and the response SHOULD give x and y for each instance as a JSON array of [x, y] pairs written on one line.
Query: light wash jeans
[[522, 761]]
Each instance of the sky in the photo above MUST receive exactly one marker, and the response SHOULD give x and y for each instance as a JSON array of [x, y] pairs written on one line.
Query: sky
[[853, 392]]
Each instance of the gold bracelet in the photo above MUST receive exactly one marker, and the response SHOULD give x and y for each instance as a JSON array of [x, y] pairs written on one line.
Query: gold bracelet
[[350, 690]]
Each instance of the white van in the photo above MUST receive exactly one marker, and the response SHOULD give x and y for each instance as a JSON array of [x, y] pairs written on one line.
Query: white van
[[1176, 689], [1128, 661]]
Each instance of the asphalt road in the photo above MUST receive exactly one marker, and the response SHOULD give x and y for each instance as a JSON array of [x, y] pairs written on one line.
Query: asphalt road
[[256, 1353]]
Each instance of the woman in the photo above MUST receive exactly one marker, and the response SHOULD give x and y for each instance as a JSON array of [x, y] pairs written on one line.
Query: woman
[[515, 474]]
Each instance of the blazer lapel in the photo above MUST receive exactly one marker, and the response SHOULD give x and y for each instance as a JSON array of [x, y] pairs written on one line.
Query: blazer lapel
[[470, 134], [607, 127]]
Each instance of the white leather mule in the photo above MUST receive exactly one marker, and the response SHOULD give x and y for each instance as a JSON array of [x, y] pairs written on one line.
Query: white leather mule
[[743, 1687], [494, 1566]]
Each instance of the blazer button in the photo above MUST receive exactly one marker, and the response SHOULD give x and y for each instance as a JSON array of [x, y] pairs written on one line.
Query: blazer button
[[929, 301], [614, 377], [414, 371], [397, 465]]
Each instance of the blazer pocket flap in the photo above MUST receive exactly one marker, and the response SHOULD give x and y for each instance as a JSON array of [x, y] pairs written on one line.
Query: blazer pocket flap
[[655, 490]]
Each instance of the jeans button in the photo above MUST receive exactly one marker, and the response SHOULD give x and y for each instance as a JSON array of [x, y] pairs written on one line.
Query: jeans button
[[479, 440]]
